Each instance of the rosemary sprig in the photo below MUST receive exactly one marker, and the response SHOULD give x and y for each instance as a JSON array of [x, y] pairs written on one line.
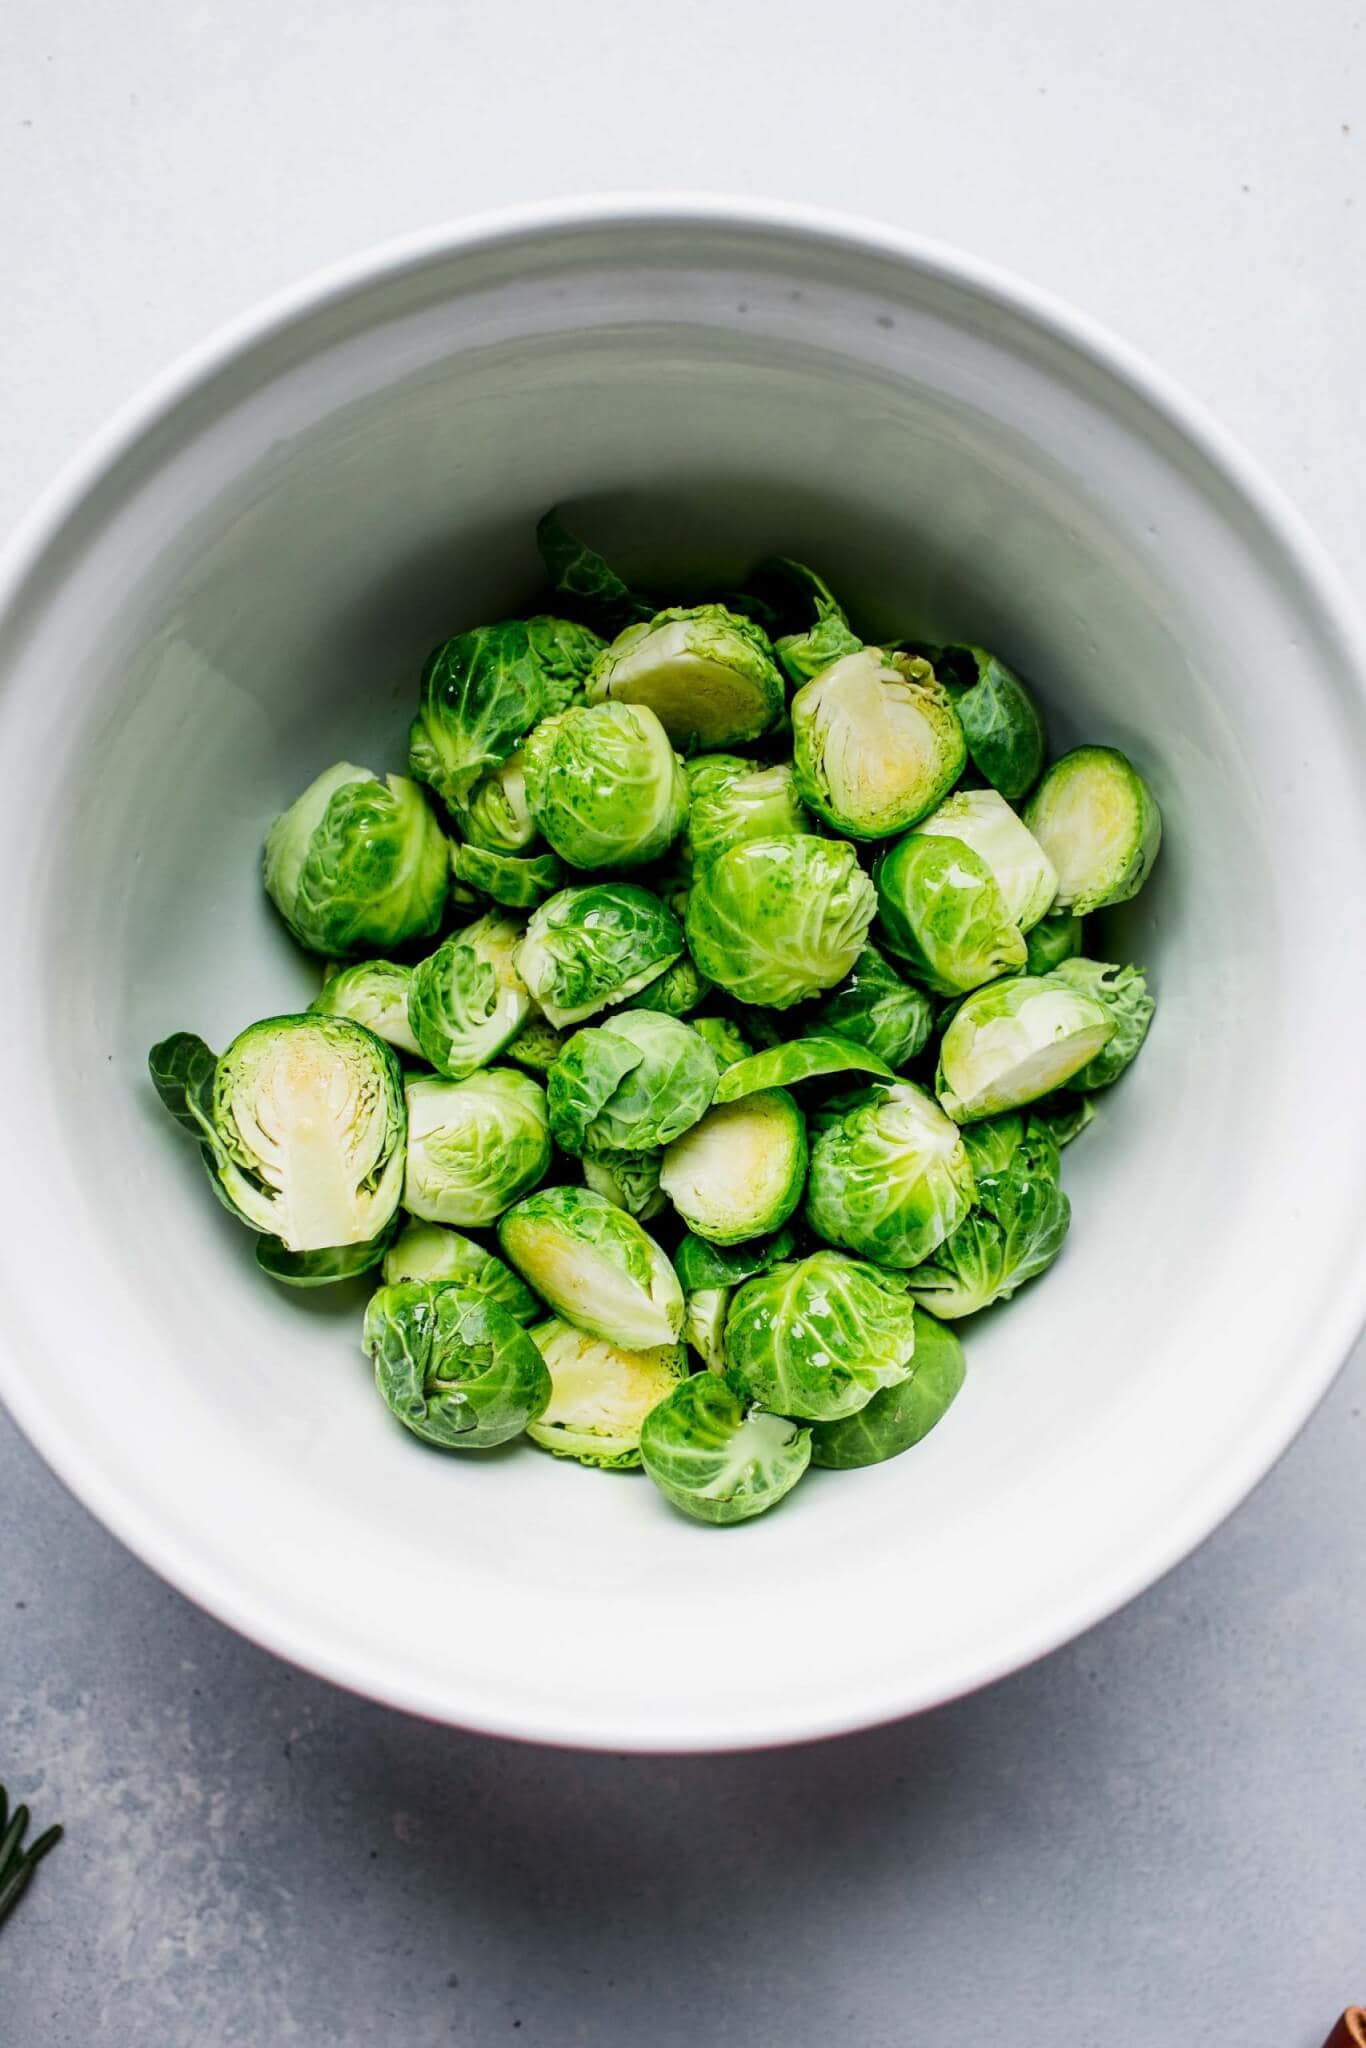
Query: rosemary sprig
[[17, 1864]]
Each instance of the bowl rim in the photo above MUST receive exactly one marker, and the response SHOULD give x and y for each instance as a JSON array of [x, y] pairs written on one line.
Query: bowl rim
[[1339, 1319]]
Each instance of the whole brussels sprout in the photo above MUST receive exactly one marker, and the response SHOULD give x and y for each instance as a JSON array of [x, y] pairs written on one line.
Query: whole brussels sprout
[[891, 1177], [634, 1083], [594, 946], [595, 1266], [373, 993], [474, 1146], [1014, 1231], [1015, 1041], [940, 909], [876, 743], [875, 1008], [300, 1124], [730, 799], [430, 1252], [707, 674], [798, 1059], [496, 816], [739, 1172], [1098, 822], [773, 921], [357, 863], [709, 1275], [518, 882], [818, 1337], [605, 786], [483, 691], [600, 1394], [716, 1457], [897, 1417], [1053, 940], [999, 717], [467, 999], [983, 820], [1122, 993], [629, 1180], [452, 1366]]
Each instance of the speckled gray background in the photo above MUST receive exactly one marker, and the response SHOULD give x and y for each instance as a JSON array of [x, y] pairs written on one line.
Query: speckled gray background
[[1157, 1836]]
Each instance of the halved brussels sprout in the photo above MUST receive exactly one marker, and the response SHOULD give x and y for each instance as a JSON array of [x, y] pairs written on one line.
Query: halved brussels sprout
[[593, 946], [891, 1177], [940, 909], [629, 1180], [716, 1457], [518, 882], [357, 863], [726, 1040], [741, 1170], [496, 815], [324, 1268], [1021, 870], [709, 1275], [582, 573], [899, 1416], [731, 799], [600, 1394], [453, 1366], [676, 991], [877, 1009], [605, 786], [595, 1266], [537, 1045], [999, 717], [633, 1083], [876, 743], [1122, 993], [1098, 822], [1014, 1231], [483, 691], [798, 1059], [373, 993], [467, 999], [300, 1124], [773, 921], [474, 1146], [706, 673], [1015, 1041], [1053, 940], [430, 1252], [818, 1337]]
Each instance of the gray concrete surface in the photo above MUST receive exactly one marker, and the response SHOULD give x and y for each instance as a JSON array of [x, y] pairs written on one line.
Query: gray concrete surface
[[1156, 1836]]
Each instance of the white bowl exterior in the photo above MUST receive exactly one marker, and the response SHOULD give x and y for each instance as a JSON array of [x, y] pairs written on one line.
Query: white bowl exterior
[[241, 588]]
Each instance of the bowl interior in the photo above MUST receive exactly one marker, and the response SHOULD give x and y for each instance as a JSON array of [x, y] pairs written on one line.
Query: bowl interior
[[247, 593]]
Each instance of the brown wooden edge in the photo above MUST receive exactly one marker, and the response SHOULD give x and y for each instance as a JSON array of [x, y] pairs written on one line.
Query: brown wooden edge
[[1350, 2031]]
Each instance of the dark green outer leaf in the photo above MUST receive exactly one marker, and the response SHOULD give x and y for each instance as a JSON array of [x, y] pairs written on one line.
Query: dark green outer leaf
[[897, 1417], [182, 1067], [581, 572], [699, 1264]]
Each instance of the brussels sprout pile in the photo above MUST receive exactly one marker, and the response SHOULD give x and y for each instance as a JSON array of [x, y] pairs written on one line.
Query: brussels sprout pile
[[705, 916]]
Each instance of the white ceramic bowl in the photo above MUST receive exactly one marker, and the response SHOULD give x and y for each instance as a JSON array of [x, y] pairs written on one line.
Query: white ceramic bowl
[[237, 584]]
